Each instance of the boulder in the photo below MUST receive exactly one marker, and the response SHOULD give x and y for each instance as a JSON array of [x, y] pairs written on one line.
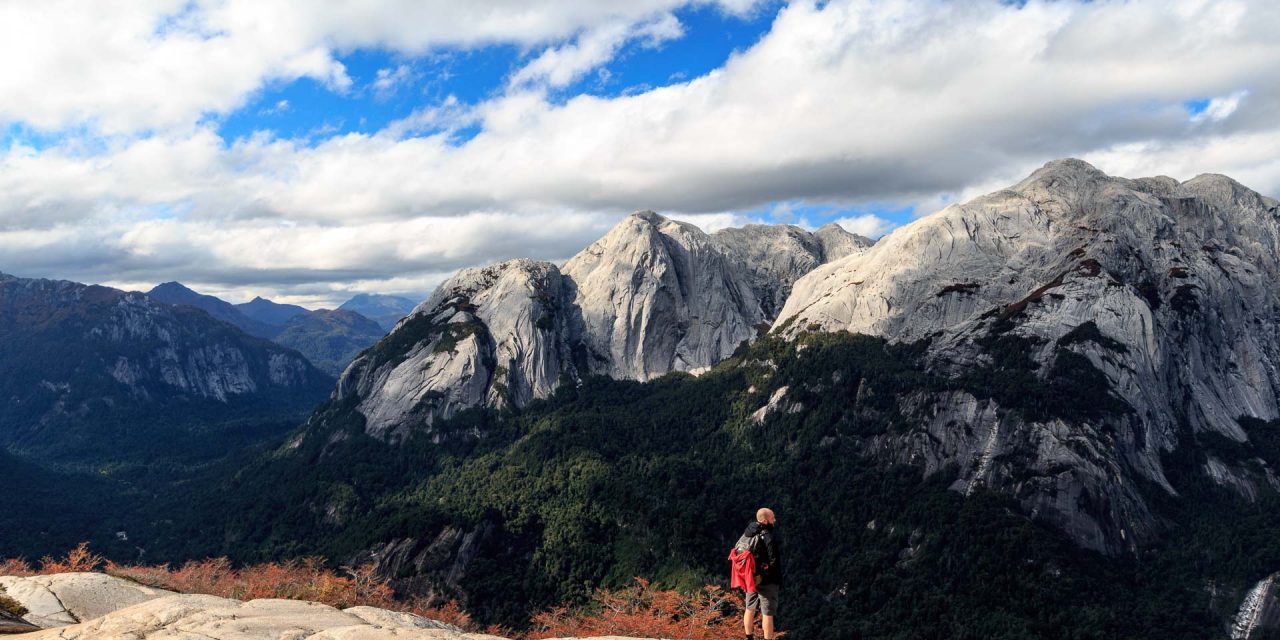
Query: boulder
[[68, 598], [211, 617]]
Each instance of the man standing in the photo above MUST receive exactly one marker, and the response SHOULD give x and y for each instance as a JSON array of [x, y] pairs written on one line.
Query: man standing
[[761, 539]]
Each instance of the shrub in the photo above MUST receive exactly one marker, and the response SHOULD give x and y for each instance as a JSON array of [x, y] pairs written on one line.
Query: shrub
[[77, 560], [16, 567], [11, 606], [642, 610]]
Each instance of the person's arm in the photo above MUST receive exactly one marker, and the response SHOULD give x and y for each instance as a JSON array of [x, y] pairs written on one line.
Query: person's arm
[[775, 558]]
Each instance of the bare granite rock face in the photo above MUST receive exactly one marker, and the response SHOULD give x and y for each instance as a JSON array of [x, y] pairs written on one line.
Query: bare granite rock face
[[652, 296], [1260, 610], [202, 616], [490, 335], [655, 295], [1166, 289], [776, 255], [95, 606], [1159, 291], [67, 598]]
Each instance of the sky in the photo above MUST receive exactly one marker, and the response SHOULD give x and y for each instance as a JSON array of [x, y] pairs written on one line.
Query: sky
[[306, 151]]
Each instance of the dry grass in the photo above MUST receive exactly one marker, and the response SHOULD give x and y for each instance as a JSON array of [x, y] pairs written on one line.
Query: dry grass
[[644, 611]]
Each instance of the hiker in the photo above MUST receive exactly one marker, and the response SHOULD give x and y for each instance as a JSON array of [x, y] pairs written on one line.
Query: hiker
[[757, 569]]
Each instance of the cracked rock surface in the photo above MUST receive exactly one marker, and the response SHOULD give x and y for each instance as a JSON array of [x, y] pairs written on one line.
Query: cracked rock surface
[[204, 617], [67, 598], [192, 617]]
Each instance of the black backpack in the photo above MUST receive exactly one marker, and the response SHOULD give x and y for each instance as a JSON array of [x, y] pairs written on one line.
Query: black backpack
[[753, 544]]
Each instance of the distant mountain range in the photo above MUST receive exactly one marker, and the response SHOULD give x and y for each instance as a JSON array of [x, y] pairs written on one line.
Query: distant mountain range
[[90, 372], [178, 294], [383, 309], [268, 312], [330, 339]]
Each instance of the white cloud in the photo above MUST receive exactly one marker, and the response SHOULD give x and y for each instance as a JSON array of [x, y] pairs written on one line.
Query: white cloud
[[845, 103], [560, 66], [867, 224], [1221, 108], [387, 81]]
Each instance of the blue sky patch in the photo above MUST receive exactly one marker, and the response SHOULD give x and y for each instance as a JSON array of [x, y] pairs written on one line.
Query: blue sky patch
[[387, 86]]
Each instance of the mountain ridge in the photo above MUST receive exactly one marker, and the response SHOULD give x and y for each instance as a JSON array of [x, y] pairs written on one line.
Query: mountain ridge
[[73, 356], [652, 296]]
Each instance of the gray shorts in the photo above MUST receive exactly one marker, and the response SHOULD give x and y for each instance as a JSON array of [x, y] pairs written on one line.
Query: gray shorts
[[764, 600]]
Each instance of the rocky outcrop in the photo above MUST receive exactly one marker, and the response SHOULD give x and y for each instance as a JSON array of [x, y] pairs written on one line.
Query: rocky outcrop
[[652, 296], [68, 598], [655, 295], [491, 335], [775, 256], [11, 612], [435, 566], [1259, 610], [202, 616], [1162, 289]]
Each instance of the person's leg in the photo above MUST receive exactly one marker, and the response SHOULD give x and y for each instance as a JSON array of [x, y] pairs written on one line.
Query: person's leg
[[748, 622], [768, 601]]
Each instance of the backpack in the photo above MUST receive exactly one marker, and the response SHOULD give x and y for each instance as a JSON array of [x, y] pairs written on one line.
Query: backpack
[[754, 545]]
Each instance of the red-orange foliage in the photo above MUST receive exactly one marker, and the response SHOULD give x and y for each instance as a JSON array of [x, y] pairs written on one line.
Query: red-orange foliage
[[642, 610], [16, 567], [77, 560]]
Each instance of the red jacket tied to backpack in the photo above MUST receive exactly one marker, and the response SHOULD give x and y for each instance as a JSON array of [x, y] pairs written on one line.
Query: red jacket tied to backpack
[[742, 571]]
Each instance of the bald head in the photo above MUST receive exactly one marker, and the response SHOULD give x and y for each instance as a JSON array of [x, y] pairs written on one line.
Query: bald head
[[765, 516]]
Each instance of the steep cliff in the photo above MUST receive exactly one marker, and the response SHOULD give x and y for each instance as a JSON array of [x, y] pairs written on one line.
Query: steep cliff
[[491, 335], [655, 295], [1157, 292]]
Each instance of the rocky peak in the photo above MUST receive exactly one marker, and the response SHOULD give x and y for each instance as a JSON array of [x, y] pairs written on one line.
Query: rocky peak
[[1168, 282], [384, 309], [774, 257], [837, 242], [1223, 192], [655, 295], [494, 335], [176, 293], [652, 296]]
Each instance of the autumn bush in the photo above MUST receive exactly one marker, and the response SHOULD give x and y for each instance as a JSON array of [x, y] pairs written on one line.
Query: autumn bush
[[77, 560], [641, 610]]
